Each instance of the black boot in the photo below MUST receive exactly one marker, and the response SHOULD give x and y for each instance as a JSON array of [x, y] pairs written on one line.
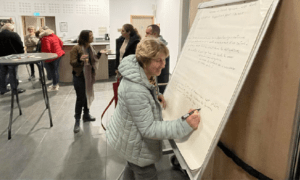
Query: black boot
[[88, 117], [77, 126]]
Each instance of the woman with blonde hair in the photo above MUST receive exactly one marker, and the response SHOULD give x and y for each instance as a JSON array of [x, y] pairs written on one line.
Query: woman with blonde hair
[[136, 129], [31, 42], [126, 43]]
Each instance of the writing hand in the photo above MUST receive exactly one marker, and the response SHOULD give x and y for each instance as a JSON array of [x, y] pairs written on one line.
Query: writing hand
[[194, 119], [162, 101]]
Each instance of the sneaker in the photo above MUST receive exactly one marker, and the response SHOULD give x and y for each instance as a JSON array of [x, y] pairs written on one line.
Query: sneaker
[[31, 78], [20, 90], [50, 88], [53, 88]]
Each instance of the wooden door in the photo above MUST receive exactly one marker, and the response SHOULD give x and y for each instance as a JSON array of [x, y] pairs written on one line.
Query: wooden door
[[141, 23]]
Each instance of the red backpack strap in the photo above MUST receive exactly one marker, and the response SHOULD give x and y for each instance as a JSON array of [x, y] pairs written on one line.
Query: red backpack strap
[[105, 111], [115, 88]]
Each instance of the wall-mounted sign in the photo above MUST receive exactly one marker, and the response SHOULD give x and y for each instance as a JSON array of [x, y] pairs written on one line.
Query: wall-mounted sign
[[36, 14], [63, 26], [102, 31]]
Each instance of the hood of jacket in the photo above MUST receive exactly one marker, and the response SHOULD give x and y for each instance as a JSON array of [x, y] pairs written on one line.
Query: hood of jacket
[[46, 32], [131, 70], [163, 40]]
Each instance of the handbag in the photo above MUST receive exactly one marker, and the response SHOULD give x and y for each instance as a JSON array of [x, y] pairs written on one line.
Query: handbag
[[114, 98]]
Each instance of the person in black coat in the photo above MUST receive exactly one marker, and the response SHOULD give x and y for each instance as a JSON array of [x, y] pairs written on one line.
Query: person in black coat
[[126, 43], [153, 30], [10, 43]]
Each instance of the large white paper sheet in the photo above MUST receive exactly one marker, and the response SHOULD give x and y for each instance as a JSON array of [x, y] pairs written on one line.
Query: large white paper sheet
[[212, 62]]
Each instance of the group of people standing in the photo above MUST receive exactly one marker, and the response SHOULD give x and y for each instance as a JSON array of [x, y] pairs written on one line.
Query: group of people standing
[[43, 40], [136, 129]]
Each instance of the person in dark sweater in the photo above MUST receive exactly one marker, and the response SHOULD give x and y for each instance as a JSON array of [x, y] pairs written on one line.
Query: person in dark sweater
[[126, 43], [153, 30], [10, 43]]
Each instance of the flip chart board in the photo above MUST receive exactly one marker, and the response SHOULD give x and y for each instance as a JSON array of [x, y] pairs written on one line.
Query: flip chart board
[[214, 63]]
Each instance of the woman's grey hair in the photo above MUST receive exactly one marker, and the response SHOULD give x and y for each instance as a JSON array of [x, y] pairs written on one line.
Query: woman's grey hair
[[8, 26]]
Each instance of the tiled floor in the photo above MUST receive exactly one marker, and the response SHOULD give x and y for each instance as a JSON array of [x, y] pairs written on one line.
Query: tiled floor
[[37, 151]]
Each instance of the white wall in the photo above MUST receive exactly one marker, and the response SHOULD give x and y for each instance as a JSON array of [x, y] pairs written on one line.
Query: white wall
[[120, 11], [91, 14], [168, 16], [79, 14]]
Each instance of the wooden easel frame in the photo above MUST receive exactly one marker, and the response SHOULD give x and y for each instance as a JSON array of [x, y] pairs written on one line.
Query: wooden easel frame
[[198, 173]]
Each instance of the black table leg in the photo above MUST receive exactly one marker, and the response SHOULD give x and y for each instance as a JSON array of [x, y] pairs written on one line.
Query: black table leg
[[44, 89], [14, 91], [17, 98], [11, 114]]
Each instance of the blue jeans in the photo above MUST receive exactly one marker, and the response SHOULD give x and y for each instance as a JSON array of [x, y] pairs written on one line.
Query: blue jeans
[[53, 70], [135, 172], [49, 77], [12, 80]]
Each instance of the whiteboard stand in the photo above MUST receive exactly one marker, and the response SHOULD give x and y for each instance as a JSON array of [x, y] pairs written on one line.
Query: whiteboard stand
[[198, 173], [192, 174]]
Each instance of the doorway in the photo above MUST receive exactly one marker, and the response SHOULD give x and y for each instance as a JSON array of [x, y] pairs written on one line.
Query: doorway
[[38, 22], [141, 22]]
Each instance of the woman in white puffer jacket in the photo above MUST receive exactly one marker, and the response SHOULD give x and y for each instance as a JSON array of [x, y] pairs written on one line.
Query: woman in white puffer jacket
[[137, 129]]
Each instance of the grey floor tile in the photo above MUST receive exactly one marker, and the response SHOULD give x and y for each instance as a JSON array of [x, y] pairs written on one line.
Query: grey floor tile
[[93, 169], [16, 154]]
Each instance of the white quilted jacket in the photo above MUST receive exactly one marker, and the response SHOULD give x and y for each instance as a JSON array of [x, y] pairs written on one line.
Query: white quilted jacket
[[136, 128]]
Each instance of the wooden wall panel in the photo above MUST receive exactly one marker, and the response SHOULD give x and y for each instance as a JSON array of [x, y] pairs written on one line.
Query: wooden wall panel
[[260, 126]]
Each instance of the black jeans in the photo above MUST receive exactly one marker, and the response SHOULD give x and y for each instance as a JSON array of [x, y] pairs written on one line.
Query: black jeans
[[13, 80], [32, 69], [81, 102]]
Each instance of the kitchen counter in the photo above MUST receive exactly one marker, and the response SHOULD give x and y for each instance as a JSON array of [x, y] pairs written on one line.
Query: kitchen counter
[[65, 69], [93, 43]]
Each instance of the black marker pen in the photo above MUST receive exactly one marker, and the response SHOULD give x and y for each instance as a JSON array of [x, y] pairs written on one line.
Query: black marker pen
[[190, 113]]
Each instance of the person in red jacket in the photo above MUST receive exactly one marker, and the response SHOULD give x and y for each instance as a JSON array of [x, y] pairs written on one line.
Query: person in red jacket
[[52, 44]]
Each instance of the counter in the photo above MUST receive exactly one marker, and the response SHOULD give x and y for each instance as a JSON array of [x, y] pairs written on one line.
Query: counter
[[94, 43], [65, 69]]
